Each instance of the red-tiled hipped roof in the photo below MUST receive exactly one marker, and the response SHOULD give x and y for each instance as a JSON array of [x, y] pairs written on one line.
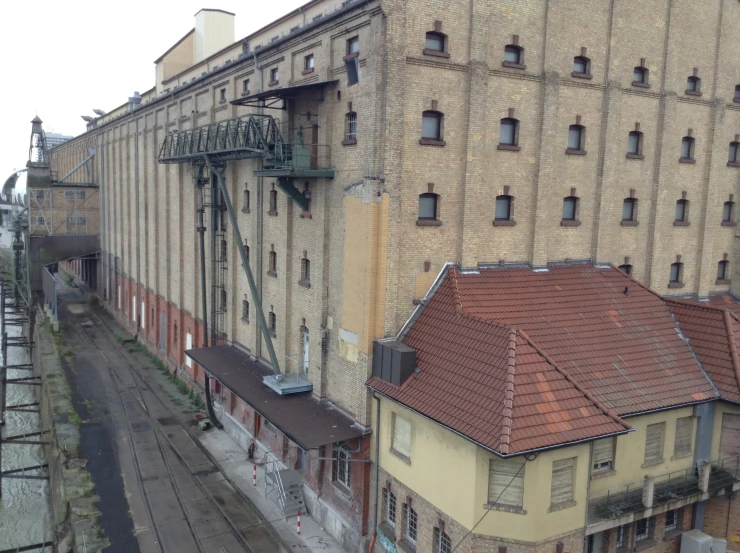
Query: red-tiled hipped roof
[[714, 336], [491, 383], [623, 348], [517, 359]]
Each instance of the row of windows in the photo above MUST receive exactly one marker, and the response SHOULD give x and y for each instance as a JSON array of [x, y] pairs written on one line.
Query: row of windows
[[431, 130], [442, 543], [506, 476], [436, 43], [641, 530], [429, 210]]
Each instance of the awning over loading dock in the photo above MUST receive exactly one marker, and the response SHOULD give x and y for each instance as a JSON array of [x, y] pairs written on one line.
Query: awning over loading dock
[[306, 421]]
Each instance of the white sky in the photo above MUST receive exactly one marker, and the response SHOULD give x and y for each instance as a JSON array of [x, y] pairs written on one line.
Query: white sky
[[63, 58]]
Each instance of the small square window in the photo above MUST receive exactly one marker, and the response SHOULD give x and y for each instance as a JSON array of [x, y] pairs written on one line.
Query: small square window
[[435, 42], [503, 208], [274, 75], [722, 270], [675, 278], [428, 207], [245, 86], [639, 75], [687, 148], [626, 269], [733, 157], [570, 205], [693, 85], [513, 54], [727, 212], [509, 132], [431, 125], [576, 139], [682, 211], [222, 95], [308, 63], [629, 209]]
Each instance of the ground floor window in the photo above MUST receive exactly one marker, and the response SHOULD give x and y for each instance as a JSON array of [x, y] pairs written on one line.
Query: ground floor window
[[642, 529], [341, 467]]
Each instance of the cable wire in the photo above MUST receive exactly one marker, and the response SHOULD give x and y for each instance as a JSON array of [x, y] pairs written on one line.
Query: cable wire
[[490, 507]]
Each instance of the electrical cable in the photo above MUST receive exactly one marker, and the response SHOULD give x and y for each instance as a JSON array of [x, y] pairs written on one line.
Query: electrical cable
[[490, 507]]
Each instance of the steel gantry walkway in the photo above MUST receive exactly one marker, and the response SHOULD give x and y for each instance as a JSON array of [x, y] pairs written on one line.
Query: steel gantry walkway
[[207, 149]]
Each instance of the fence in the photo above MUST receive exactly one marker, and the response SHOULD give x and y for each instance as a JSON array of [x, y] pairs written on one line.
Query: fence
[[49, 284]]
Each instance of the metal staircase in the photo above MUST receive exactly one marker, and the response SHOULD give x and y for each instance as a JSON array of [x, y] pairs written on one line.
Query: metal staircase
[[284, 488]]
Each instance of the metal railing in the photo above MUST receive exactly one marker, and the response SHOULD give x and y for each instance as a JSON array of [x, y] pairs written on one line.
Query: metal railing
[[49, 285], [673, 486]]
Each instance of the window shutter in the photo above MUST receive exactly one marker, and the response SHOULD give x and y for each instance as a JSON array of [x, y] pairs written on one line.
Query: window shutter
[[603, 453], [503, 473], [730, 437], [561, 490], [683, 436], [654, 441], [402, 436]]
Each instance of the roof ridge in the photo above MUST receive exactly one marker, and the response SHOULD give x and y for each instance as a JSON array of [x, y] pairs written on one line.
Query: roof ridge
[[456, 292], [572, 381], [733, 346], [508, 412]]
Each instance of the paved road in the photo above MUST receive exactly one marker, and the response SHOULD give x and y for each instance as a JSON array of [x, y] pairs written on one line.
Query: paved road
[[143, 453]]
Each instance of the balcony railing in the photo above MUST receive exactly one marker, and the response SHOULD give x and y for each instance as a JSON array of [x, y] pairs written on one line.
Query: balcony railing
[[663, 489]]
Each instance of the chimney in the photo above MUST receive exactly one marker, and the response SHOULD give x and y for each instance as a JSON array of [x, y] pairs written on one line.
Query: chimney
[[214, 31]]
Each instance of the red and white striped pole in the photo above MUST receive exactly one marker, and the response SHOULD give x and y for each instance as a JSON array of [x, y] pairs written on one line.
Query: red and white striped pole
[[298, 523], [254, 475]]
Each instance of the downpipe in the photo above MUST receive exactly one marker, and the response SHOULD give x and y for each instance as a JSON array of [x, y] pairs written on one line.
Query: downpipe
[[377, 474]]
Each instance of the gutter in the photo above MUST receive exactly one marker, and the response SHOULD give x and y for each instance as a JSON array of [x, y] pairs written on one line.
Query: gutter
[[498, 454]]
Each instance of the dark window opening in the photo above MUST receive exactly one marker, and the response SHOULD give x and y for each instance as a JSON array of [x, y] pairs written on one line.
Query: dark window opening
[[273, 203], [353, 45], [733, 158], [642, 529], [626, 268], [245, 311], [245, 86], [503, 208], [576, 139], [431, 125], [246, 205], [640, 75], [223, 301], [737, 93], [682, 211], [728, 212], [428, 207], [629, 209], [274, 75], [570, 208], [308, 62], [687, 148], [224, 250], [513, 55], [305, 270], [634, 143], [222, 98], [693, 85], [272, 322], [435, 42], [246, 252], [272, 264], [352, 67], [509, 133], [722, 270], [581, 67], [676, 273], [174, 333]]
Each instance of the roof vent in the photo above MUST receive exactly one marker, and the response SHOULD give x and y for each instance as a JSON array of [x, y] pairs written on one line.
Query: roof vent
[[626, 291], [393, 361]]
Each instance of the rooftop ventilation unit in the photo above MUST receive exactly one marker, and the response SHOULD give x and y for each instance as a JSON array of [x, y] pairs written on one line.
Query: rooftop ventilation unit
[[393, 361]]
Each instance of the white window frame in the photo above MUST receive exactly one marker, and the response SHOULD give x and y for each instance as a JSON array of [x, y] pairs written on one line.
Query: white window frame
[[646, 535], [410, 521], [600, 462], [676, 518], [342, 469], [389, 509]]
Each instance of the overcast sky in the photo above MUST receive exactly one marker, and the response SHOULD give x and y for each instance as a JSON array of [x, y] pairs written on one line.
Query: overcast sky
[[64, 58]]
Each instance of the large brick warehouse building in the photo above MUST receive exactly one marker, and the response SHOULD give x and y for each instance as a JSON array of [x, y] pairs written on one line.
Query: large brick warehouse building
[[367, 144]]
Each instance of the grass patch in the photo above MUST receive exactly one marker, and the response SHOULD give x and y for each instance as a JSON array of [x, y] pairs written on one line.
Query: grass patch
[[74, 418]]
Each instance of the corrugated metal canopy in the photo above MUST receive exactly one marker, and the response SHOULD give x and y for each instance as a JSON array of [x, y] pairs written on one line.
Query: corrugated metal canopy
[[306, 421], [286, 93]]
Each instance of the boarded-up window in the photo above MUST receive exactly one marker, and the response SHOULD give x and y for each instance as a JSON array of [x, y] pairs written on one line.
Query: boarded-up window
[[730, 437], [682, 446], [401, 436], [603, 455], [506, 482], [561, 490], [654, 442]]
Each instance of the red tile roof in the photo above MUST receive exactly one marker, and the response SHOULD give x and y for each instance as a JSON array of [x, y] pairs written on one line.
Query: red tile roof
[[623, 348], [714, 336], [518, 359], [491, 383]]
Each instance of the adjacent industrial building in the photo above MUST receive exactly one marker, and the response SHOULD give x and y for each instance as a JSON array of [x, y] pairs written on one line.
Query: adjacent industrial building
[[513, 204]]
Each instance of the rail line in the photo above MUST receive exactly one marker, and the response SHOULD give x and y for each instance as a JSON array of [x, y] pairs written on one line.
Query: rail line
[[140, 386]]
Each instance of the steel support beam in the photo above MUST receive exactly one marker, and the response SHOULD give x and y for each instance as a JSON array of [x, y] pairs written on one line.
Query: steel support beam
[[245, 263]]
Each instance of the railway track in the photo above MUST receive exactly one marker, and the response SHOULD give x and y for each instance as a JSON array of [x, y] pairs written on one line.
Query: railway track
[[222, 519]]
